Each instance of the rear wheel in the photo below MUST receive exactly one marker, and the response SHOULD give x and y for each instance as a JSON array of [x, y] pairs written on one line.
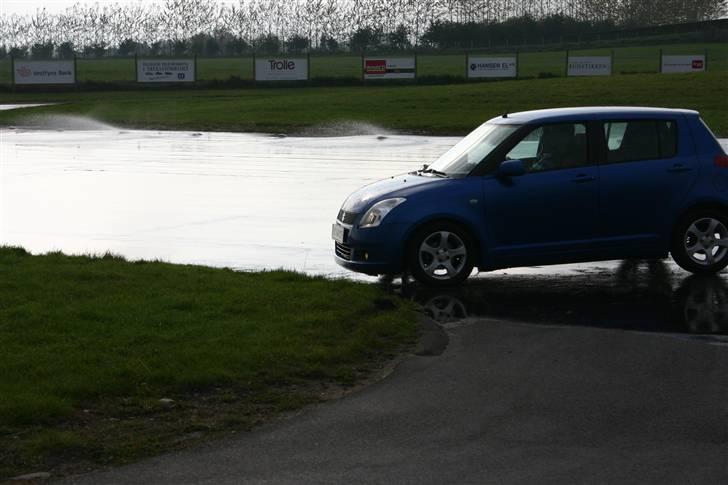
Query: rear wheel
[[700, 244], [441, 254]]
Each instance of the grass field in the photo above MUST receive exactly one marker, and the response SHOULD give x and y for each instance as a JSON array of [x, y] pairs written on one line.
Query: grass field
[[91, 345], [440, 109], [533, 64]]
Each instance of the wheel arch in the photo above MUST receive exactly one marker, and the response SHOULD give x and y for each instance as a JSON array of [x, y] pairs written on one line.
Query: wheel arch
[[702, 205]]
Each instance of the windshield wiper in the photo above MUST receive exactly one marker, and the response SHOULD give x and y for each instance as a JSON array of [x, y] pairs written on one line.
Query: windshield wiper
[[434, 172]]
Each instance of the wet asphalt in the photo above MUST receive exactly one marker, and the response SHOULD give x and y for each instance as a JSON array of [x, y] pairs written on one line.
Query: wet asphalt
[[600, 375]]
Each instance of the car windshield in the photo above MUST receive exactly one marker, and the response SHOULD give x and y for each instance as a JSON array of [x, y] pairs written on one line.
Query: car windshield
[[461, 159]]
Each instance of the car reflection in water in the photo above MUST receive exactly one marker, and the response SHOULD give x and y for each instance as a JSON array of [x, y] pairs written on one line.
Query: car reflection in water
[[642, 296]]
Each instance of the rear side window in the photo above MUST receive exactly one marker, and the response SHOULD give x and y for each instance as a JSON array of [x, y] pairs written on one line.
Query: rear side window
[[632, 141]]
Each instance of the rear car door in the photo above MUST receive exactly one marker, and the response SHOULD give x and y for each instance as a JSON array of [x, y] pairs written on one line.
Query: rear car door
[[646, 170], [551, 209]]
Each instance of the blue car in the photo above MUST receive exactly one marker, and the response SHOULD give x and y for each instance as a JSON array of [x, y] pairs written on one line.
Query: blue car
[[548, 187]]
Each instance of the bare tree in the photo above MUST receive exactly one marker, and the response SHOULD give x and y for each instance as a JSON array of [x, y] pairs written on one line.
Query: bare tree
[[176, 21]]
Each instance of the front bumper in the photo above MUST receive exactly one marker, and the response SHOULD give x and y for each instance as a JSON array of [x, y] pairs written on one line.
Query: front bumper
[[373, 251]]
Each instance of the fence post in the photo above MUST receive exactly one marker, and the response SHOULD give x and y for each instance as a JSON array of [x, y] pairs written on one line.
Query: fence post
[[660, 61], [308, 62], [195, 61], [467, 65], [363, 67], [255, 74], [518, 64], [416, 66], [136, 67], [706, 60], [75, 70], [566, 64], [611, 72], [12, 71]]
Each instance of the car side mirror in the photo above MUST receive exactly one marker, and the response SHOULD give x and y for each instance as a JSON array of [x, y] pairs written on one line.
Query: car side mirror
[[511, 168]]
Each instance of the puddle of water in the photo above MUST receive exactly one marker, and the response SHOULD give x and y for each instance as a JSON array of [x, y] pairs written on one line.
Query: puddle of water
[[61, 123], [644, 296], [247, 201], [5, 107], [347, 128]]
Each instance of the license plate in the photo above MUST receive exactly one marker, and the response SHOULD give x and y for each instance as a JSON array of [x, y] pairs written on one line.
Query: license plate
[[337, 233]]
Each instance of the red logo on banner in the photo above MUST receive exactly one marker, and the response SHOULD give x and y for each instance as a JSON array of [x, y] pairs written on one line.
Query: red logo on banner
[[698, 64], [24, 71], [375, 66]]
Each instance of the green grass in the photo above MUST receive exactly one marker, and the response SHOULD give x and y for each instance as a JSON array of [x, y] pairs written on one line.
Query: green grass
[[343, 66], [549, 62], [224, 68], [441, 65], [90, 345], [441, 109], [5, 71], [105, 69]]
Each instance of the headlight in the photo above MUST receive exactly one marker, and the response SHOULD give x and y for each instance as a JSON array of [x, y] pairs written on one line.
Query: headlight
[[379, 211]]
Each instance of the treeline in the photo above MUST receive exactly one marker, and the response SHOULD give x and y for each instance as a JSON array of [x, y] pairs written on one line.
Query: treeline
[[526, 30], [209, 27]]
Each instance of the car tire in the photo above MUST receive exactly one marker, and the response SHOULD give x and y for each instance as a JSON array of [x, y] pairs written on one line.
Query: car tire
[[441, 254], [700, 242]]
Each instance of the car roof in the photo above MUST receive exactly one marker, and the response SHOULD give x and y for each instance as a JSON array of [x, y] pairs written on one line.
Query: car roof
[[589, 113]]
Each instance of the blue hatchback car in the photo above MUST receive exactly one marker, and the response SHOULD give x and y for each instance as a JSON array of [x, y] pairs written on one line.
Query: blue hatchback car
[[548, 187]]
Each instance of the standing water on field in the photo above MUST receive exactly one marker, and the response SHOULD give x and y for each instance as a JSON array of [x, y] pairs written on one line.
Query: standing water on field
[[247, 201]]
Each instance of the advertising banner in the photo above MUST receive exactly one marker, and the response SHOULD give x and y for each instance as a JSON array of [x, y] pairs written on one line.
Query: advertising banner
[[590, 66], [671, 64], [165, 70], [44, 72], [281, 69], [492, 67], [389, 68]]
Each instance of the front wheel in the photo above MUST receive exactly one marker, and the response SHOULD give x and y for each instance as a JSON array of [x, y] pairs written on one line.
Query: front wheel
[[700, 244], [441, 255]]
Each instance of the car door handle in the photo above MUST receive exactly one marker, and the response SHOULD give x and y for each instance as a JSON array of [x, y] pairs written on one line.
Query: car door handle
[[580, 179], [679, 168]]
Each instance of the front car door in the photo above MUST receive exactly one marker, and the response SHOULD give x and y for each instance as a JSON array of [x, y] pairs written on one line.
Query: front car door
[[548, 215], [647, 167]]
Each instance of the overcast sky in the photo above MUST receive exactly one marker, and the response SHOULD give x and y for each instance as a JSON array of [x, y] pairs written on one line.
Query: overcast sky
[[30, 6]]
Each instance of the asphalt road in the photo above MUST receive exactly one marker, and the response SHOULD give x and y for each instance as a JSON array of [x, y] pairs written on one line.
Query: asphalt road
[[507, 402]]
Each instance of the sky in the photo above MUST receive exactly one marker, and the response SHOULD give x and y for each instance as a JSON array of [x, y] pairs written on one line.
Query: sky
[[23, 7]]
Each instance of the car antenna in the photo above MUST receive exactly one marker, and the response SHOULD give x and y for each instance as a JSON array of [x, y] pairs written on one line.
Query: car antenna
[[505, 115]]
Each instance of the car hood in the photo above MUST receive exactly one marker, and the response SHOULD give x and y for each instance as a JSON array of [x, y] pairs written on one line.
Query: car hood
[[399, 186]]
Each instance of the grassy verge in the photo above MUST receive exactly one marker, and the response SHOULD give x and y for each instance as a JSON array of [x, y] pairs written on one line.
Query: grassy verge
[[442, 109], [93, 348]]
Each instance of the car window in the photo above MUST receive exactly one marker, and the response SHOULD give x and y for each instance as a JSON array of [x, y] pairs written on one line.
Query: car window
[[553, 147], [667, 132], [527, 149], [630, 141], [462, 158]]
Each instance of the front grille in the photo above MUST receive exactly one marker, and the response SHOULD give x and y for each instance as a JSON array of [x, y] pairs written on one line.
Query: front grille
[[347, 217], [343, 251]]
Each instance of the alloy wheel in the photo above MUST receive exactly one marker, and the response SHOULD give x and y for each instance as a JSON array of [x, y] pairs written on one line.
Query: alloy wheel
[[443, 255], [706, 241]]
